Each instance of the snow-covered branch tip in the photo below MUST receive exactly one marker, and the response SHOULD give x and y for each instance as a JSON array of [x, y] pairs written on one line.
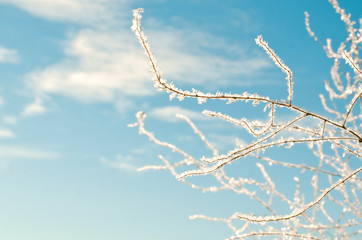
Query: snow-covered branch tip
[[136, 28], [260, 41]]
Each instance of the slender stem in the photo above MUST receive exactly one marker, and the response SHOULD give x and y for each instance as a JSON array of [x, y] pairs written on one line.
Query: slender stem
[[351, 107], [311, 204]]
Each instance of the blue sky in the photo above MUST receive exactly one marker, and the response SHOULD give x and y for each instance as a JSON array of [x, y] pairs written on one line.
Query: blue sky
[[73, 76]]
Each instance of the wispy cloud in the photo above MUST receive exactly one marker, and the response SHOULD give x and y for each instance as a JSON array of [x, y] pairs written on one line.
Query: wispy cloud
[[100, 66], [225, 143], [19, 152], [8, 55], [193, 57], [108, 65], [34, 108], [5, 133], [10, 119], [122, 162], [168, 114], [79, 11]]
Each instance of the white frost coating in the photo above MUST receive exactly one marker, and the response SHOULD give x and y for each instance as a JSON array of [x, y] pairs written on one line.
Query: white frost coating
[[259, 40], [352, 63], [334, 139]]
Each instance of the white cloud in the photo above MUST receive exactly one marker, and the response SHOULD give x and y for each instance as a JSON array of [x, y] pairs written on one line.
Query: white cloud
[[168, 114], [108, 65], [12, 152], [5, 133], [101, 66], [34, 108], [122, 162], [80, 11], [10, 119], [8, 55], [226, 142], [104, 62], [193, 57]]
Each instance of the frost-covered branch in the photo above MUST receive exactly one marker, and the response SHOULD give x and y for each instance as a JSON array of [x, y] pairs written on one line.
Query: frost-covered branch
[[260, 41], [162, 84], [324, 149], [299, 212]]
